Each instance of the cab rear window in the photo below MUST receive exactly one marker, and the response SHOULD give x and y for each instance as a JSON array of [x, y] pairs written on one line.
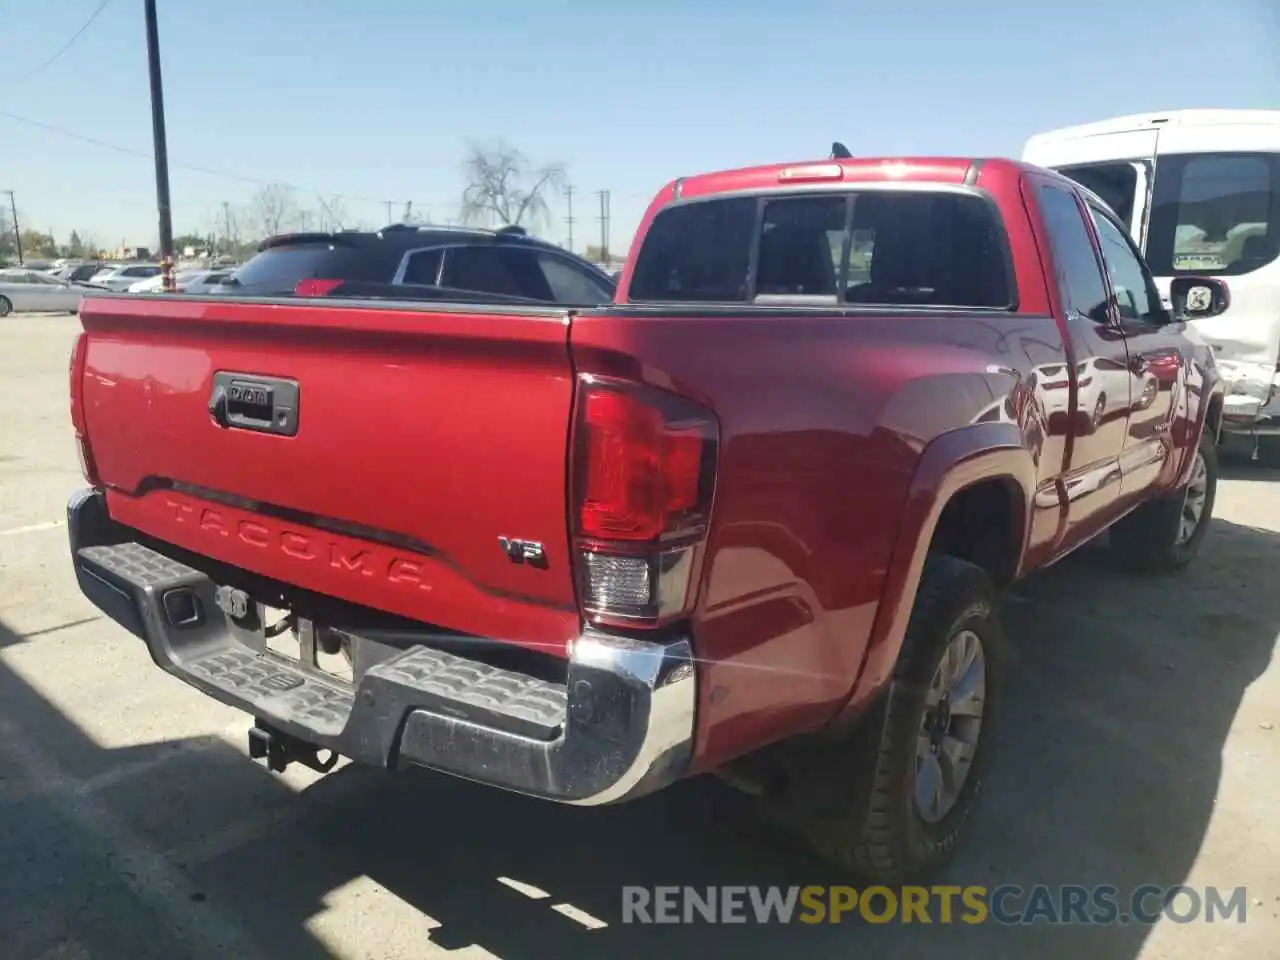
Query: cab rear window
[[877, 247]]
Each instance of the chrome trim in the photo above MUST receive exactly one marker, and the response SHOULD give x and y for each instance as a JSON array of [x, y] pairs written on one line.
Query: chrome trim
[[627, 729], [665, 677]]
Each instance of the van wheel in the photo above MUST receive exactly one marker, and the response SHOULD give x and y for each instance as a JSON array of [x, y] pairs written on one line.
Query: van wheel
[[1164, 535], [912, 771], [5, 307]]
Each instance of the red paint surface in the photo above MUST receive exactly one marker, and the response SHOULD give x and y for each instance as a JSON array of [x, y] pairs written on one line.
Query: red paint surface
[[842, 435]]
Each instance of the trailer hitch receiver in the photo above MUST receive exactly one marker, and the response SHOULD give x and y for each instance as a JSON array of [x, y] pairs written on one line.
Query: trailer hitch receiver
[[280, 749]]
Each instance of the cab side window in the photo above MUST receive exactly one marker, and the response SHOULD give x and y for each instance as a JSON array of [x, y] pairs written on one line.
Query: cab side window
[[1135, 294], [423, 267], [1078, 273]]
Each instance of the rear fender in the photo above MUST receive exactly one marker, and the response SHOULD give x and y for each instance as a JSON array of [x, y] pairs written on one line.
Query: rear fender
[[949, 464]]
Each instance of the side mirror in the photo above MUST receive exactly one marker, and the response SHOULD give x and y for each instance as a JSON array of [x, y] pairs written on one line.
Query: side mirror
[[1194, 298]]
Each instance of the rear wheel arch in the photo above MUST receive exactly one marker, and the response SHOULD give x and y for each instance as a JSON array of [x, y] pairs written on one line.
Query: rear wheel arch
[[976, 465], [985, 523]]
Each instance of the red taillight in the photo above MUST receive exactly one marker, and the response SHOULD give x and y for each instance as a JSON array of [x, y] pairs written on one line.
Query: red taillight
[[316, 287], [644, 473], [75, 373], [640, 473]]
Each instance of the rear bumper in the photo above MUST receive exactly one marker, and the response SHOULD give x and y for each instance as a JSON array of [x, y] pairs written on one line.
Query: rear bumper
[[1264, 422], [622, 724]]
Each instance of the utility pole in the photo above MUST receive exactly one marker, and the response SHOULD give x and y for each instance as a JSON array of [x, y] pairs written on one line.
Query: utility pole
[[161, 148], [568, 196], [389, 205], [604, 226], [17, 234]]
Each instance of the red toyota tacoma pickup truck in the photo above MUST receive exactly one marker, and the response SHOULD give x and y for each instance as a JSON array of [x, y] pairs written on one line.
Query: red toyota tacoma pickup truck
[[752, 519]]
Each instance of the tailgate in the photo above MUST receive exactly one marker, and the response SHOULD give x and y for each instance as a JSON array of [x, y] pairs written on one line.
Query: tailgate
[[373, 453]]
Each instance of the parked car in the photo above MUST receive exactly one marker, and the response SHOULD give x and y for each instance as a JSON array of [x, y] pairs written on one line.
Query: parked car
[[76, 272], [122, 276], [29, 291], [421, 262], [183, 281], [209, 282], [750, 519]]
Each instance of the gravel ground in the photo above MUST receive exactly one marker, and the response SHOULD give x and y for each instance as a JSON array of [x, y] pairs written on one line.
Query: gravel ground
[[1140, 744]]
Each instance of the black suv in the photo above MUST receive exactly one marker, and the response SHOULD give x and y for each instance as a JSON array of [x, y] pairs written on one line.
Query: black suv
[[428, 262]]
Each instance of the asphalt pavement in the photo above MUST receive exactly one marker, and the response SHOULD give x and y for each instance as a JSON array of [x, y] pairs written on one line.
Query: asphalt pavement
[[1140, 745]]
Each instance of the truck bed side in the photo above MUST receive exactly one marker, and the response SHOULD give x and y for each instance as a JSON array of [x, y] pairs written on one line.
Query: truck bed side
[[824, 418]]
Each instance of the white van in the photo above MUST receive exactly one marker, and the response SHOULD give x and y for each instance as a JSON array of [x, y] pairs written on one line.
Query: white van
[[1200, 190]]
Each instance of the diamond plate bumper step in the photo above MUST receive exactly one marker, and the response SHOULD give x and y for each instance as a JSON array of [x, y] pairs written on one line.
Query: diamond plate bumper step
[[621, 725]]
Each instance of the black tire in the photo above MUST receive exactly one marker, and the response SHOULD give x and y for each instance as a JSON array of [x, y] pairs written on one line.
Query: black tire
[[1099, 412], [879, 832], [1148, 539], [6, 307]]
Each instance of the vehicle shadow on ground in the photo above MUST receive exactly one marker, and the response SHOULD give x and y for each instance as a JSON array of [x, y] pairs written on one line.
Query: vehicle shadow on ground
[[1235, 463], [1121, 693], [1243, 470], [84, 870]]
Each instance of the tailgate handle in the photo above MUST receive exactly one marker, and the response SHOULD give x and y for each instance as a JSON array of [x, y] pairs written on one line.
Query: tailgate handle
[[247, 401]]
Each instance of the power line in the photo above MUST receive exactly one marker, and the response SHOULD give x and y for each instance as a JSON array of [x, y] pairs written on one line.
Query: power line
[[65, 47], [210, 171]]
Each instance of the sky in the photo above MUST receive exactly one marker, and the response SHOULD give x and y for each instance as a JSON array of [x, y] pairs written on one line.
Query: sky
[[376, 101]]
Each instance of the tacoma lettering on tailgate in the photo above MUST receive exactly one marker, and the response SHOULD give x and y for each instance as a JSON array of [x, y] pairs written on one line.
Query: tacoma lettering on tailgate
[[308, 547]]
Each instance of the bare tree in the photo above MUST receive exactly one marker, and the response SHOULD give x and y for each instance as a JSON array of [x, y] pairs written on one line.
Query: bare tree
[[333, 214], [274, 208], [503, 185]]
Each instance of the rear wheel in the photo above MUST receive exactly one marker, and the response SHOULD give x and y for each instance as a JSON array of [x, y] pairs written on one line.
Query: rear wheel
[[6, 307], [918, 762], [1166, 534]]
